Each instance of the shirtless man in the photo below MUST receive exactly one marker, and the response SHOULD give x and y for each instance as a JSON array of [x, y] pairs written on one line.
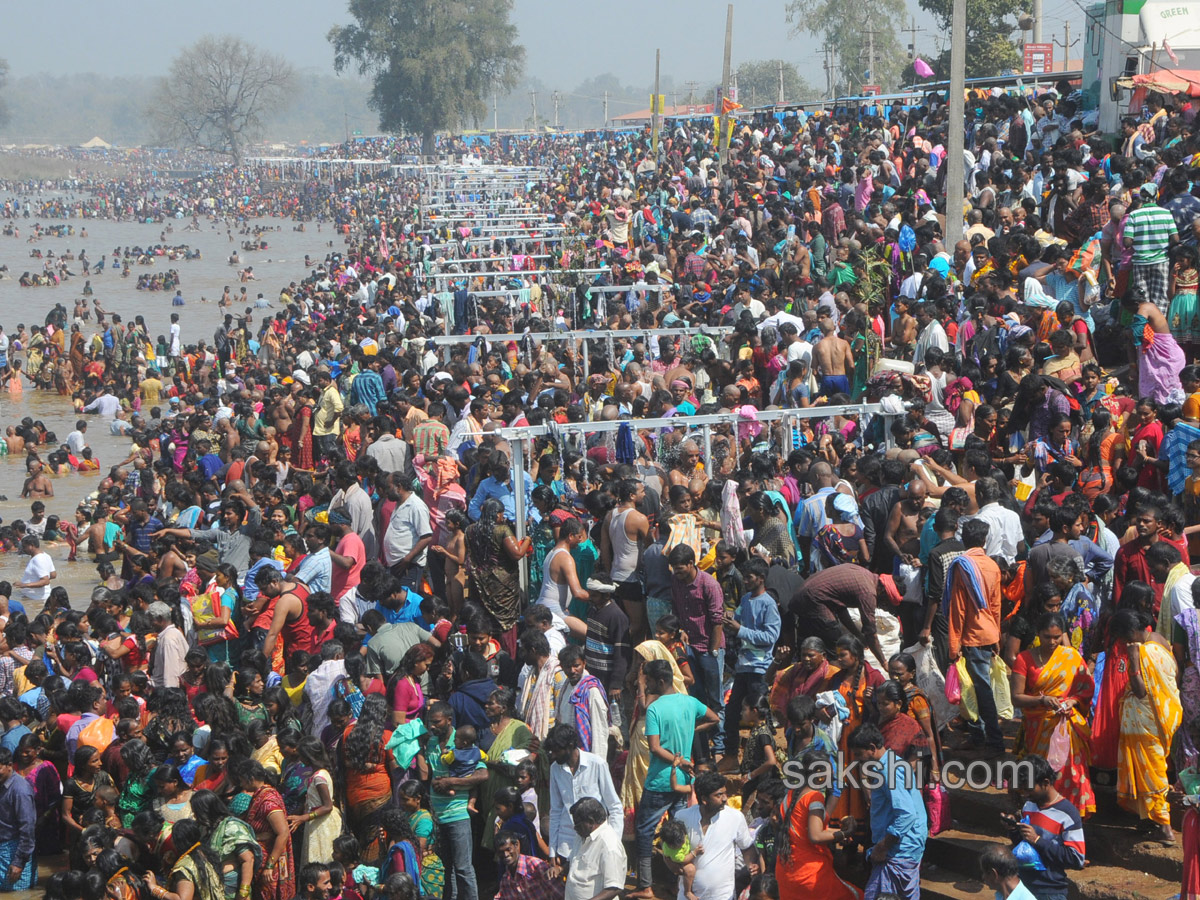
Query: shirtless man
[[976, 464], [687, 459], [97, 544], [37, 485], [16, 443], [903, 533], [904, 332], [833, 360], [623, 533]]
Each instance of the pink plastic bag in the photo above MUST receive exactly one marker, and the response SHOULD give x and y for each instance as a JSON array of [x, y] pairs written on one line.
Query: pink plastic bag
[[1060, 745], [953, 687], [937, 806]]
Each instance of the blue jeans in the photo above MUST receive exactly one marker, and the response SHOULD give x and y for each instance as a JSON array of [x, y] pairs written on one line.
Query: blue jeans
[[987, 729], [650, 809], [708, 689], [460, 869]]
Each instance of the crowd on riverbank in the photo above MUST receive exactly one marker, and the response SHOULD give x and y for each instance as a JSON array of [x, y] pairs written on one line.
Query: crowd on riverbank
[[324, 658]]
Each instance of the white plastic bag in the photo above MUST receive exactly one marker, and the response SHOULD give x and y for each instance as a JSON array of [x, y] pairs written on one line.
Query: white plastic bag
[[1060, 745], [932, 683]]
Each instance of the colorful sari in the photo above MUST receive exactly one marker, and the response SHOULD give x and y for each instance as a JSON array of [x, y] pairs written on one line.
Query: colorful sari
[[300, 435], [493, 575], [195, 868], [279, 881], [433, 871], [902, 734], [792, 682], [802, 868], [229, 839], [637, 762], [1147, 726], [1112, 677], [47, 799], [852, 802], [1188, 622], [514, 736], [1064, 675], [293, 786]]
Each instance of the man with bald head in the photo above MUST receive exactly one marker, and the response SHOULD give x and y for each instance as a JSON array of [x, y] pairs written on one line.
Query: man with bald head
[[810, 515]]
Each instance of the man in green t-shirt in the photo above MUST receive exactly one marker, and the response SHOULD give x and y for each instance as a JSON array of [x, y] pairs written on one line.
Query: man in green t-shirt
[[448, 798], [671, 724]]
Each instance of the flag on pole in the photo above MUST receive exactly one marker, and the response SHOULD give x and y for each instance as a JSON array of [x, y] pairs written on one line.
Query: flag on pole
[[1171, 53], [922, 68], [728, 106]]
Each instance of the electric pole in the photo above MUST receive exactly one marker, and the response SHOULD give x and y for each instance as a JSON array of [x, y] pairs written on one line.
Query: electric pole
[[691, 86], [912, 30], [1066, 45], [779, 101], [656, 110], [606, 109], [556, 97], [956, 133], [722, 140], [871, 53], [1037, 21], [495, 112], [533, 106]]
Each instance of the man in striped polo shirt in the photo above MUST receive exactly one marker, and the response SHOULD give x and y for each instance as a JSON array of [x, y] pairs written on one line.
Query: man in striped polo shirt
[[1053, 828], [1149, 232]]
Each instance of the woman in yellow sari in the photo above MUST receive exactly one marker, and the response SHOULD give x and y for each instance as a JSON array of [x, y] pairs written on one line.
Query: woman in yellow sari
[[637, 761], [1051, 684], [1150, 714]]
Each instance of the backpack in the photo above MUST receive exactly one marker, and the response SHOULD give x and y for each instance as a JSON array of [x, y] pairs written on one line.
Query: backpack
[[98, 733]]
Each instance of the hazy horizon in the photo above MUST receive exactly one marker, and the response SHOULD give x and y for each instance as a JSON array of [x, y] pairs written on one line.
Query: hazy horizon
[[142, 37]]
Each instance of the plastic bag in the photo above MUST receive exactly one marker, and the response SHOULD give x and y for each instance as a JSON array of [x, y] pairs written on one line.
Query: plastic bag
[[1060, 745], [969, 703], [1001, 691], [1026, 484], [937, 806], [953, 690], [932, 683], [1027, 854]]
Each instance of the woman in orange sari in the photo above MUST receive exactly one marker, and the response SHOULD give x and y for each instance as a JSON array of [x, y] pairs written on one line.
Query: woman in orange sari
[[1051, 684], [856, 682], [804, 859], [78, 358]]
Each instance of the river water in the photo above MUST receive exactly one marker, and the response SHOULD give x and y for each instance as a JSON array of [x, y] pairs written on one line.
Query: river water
[[275, 267]]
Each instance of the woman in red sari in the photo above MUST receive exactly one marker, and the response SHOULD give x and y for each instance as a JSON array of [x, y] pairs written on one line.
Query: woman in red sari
[[268, 817], [1145, 437], [300, 434], [902, 733], [809, 676], [856, 682]]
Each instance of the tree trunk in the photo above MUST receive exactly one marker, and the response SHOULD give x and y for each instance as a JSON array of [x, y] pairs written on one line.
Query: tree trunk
[[428, 147]]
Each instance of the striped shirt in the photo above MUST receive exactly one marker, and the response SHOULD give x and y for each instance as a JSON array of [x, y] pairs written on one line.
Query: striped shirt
[[1060, 844], [1150, 228], [430, 438]]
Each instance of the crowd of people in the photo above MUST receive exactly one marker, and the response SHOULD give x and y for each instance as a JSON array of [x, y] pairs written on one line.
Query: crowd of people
[[324, 658]]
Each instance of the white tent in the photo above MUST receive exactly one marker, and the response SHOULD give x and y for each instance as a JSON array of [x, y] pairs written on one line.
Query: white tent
[[97, 143]]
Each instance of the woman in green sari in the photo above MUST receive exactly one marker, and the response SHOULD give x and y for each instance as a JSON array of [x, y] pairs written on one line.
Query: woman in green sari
[[136, 794], [231, 840], [507, 732], [193, 875]]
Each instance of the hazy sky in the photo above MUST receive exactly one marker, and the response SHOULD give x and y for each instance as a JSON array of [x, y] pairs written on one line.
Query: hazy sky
[[565, 41]]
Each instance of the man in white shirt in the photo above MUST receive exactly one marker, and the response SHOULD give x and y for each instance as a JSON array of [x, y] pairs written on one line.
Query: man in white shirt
[[176, 347], [76, 441], [576, 774], [716, 828], [932, 334], [1005, 534], [409, 533], [106, 404], [598, 868], [169, 651], [39, 571]]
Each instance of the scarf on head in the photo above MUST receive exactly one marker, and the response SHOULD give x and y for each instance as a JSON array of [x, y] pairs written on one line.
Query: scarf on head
[[579, 702], [537, 698]]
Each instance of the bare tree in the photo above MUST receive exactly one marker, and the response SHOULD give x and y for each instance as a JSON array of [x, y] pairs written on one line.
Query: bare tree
[[217, 91]]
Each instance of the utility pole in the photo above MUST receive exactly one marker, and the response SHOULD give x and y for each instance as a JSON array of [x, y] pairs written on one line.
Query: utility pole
[[675, 98], [556, 96], [347, 118], [533, 106], [722, 143], [1066, 45], [606, 109], [871, 53], [495, 112], [955, 131], [779, 100], [656, 110], [691, 86], [1037, 21]]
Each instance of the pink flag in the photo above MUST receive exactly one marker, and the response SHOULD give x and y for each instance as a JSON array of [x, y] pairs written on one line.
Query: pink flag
[[1171, 53], [922, 68]]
